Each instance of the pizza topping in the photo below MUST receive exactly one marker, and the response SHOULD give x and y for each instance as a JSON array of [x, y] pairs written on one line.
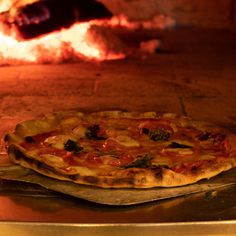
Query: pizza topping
[[57, 141], [178, 145], [93, 159], [38, 138], [52, 151], [123, 160], [72, 146], [177, 149], [79, 131], [161, 160], [93, 133], [29, 139], [204, 136], [120, 143], [111, 144], [127, 141], [156, 130], [141, 162], [178, 152], [53, 160], [216, 138], [160, 134], [206, 157]]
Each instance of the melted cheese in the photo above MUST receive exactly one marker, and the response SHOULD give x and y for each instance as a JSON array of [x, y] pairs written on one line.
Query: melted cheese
[[53, 160], [58, 141], [79, 131], [127, 141], [160, 160], [181, 151]]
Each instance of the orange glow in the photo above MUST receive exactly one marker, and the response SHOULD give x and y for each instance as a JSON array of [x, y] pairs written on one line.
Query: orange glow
[[67, 44], [5, 5], [72, 43], [157, 22], [92, 40]]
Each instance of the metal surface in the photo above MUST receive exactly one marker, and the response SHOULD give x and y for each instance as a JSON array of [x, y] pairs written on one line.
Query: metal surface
[[29, 203], [167, 229], [28, 209], [115, 197], [43, 213]]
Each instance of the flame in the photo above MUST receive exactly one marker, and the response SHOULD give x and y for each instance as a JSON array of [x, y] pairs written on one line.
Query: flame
[[72, 43], [7, 4], [90, 40]]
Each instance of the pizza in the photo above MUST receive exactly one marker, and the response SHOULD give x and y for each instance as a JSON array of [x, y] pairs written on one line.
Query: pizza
[[115, 149]]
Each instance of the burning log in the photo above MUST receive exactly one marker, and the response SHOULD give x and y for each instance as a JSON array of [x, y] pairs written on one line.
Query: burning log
[[42, 17]]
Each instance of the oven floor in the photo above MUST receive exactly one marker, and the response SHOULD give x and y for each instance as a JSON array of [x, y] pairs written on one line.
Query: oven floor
[[194, 73]]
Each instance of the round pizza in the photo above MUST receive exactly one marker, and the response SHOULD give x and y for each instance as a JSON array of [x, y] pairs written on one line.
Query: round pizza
[[115, 149]]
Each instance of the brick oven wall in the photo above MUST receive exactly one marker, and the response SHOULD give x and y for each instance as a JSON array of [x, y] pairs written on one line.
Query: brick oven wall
[[204, 13]]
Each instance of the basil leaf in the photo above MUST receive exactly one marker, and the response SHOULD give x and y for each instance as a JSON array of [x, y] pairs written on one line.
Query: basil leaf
[[140, 162], [72, 146], [157, 134], [92, 133], [29, 139], [178, 145], [204, 136]]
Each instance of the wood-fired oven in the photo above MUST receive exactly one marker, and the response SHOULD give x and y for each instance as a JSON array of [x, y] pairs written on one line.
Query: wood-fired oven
[[143, 55]]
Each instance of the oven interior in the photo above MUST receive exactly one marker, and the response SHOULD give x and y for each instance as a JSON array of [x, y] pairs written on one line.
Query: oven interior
[[182, 64]]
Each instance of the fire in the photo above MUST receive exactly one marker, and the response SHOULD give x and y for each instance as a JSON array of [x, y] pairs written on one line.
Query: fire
[[72, 43], [92, 40], [66, 44], [7, 4]]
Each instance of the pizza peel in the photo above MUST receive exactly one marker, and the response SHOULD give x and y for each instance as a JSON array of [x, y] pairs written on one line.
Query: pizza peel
[[114, 197]]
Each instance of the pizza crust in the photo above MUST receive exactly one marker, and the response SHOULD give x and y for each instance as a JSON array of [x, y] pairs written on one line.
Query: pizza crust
[[158, 176], [144, 178]]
